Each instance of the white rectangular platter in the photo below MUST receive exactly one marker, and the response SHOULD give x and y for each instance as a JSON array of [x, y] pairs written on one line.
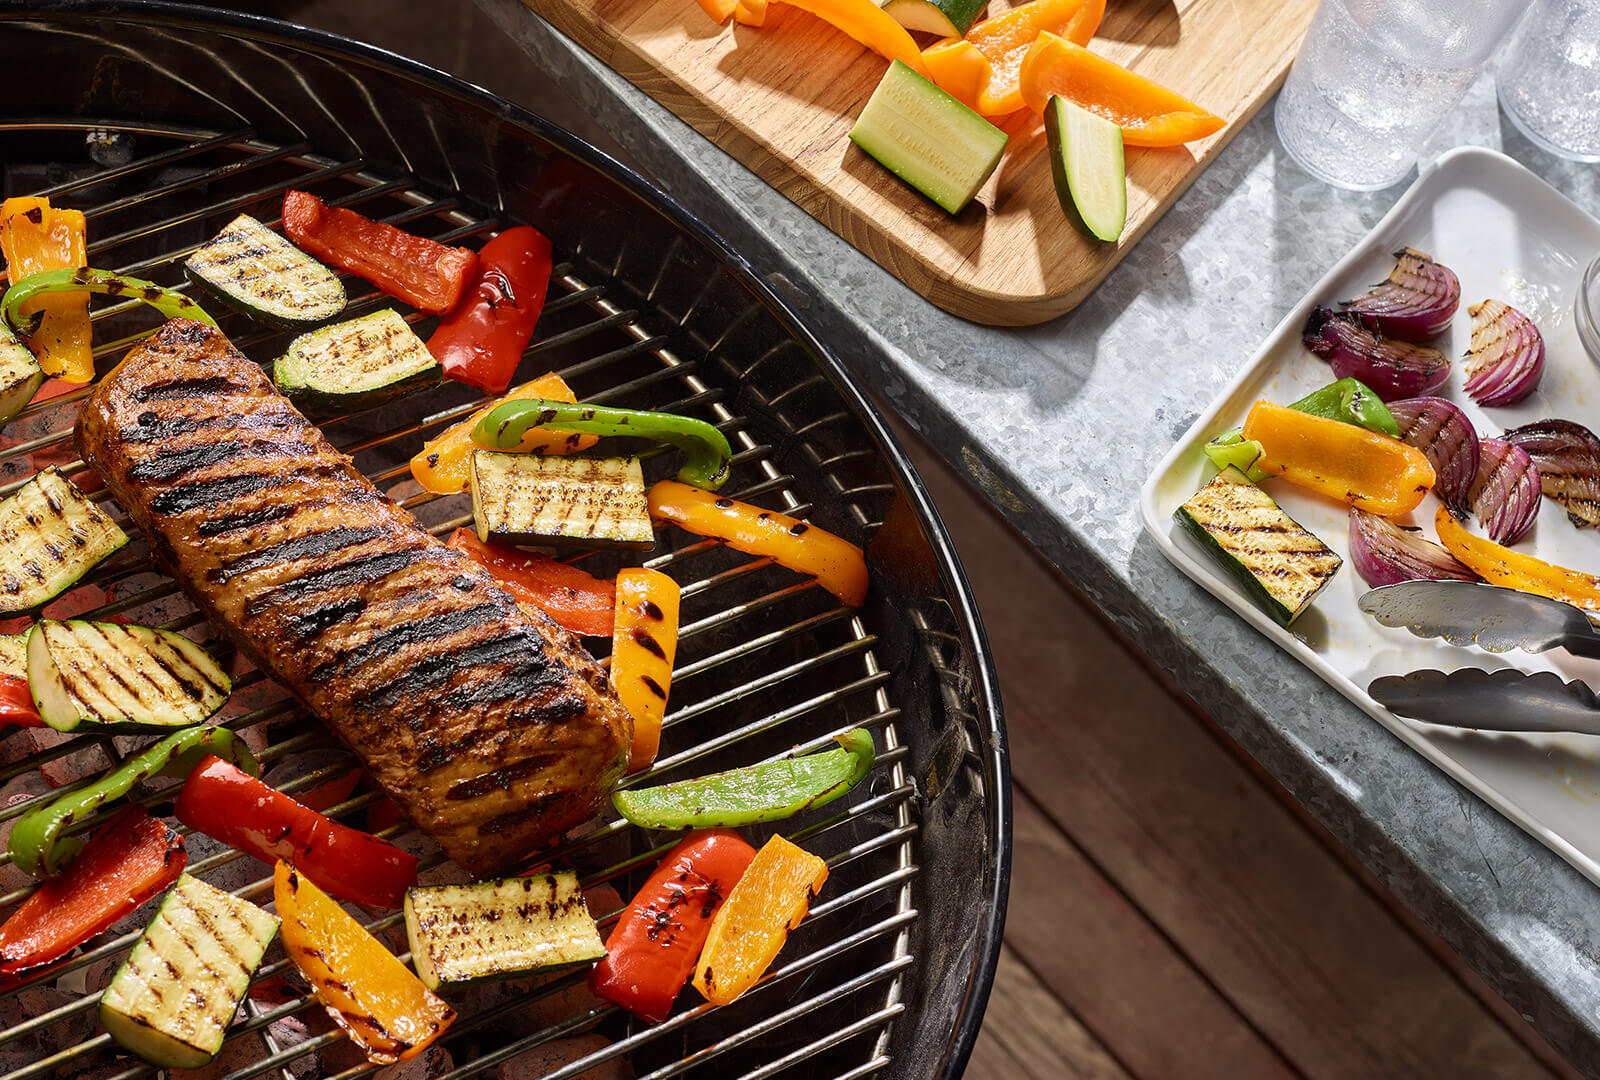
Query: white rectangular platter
[[1510, 236]]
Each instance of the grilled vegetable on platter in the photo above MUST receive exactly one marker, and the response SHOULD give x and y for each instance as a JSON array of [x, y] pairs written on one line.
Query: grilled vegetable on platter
[[1415, 302], [1568, 458]]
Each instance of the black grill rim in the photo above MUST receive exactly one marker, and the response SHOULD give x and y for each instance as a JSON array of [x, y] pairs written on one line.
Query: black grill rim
[[986, 690]]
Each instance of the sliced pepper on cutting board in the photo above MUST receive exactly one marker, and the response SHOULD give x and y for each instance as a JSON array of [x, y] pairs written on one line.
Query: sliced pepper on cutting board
[[984, 69], [867, 23], [1148, 113]]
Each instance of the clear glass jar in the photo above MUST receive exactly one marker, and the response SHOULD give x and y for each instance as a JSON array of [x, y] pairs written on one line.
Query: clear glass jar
[[1586, 310], [1549, 78]]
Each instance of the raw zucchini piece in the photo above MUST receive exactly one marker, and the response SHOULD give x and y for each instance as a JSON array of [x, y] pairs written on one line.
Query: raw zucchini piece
[[947, 18], [1086, 161], [1281, 565], [20, 374], [927, 138], [533, 499], [254, 270], [355, 364], [133, 677], [499, 929], [51, 534], [172, 1000]]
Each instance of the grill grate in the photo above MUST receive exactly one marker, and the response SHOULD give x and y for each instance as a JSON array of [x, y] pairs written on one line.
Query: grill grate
[[767, 666]]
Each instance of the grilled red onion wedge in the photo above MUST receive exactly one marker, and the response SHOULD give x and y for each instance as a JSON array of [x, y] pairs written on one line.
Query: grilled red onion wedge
[[1505, 494], [1507, 355], [1385, 553], [1356, 349], [1415, 303], [1568, 456], [1448, 440]]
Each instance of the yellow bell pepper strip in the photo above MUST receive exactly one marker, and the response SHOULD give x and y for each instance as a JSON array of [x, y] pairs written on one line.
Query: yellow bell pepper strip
[[869, 24], [836, 563], [984, 69], [1148, 113], [644, 643], [1379, 474], [719, 10], [36, 237], [749, 12], [381, 1005], [444, 464], [1499, 565], [771, 898]]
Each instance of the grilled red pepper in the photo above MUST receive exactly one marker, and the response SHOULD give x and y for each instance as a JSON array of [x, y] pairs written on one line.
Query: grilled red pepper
[[480, 343], [574, 598], [653, 948], [16, 703], [229, 804], [425, 274], [122, 866]]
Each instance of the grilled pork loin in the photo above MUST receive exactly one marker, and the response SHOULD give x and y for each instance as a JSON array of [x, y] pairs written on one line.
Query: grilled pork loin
[[488, 724]]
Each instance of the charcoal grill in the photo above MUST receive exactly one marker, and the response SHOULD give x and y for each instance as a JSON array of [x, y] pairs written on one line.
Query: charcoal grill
[[162, 122]]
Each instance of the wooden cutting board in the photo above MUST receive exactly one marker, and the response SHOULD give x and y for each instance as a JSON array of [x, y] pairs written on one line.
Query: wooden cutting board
[[782, 98]]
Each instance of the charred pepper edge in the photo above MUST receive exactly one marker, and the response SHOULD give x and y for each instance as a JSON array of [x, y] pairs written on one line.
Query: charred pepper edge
[[172, 304]]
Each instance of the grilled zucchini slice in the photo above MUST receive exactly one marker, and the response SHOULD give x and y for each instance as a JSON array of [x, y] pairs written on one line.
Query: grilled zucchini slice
[[586, 502], [51, 534], [20, 374], [254, 270], [129, 677], [1281, 565], [14, 654], [172, 1000], [462, 934], [355, 364]]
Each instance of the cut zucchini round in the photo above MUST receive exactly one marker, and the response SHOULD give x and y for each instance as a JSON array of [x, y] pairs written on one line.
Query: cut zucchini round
[[947, 18], [51, 534], [127, 677], [1086, 162], [252, 269], [355, 364]]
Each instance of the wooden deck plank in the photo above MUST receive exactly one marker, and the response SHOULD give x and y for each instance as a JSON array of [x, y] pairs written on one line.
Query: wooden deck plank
[[1028, 1035]]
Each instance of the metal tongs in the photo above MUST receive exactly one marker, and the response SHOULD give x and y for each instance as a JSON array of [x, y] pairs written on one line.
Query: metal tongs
[[1495, 620]]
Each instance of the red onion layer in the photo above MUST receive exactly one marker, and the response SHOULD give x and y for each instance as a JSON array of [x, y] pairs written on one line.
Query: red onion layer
[[1415, 303], [1394, 369], [1505, 495], [1384, 553], [1568, 456], [1507, 355], [1448, 440]]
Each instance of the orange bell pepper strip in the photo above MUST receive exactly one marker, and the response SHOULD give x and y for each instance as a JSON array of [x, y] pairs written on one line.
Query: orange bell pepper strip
[[836, 563], [748, 12], [719, 10], [771, 898], [1499, 565], [381, 1005], [444, 464], [1148, 113], [644, 643], [1367, 469], [35, 236], [865, 21], [984, 69]]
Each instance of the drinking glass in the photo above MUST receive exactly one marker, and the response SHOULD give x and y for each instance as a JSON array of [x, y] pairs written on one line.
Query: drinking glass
[[1549, 79], [1375, 77]]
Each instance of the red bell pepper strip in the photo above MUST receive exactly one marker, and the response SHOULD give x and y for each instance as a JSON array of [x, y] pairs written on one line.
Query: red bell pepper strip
[[122, 866], [653, 948], [481, 341], [16, 703], [574, 598], [228, 804], [425, 274]]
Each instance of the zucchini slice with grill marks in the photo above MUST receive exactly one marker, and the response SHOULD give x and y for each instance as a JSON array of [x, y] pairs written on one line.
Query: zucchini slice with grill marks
[[14, 654], [254, 270], [51, 534], [1281, 565], [355, 364], [499, 929], [172, 1000], [20, 374], [128, 677], [585, 502]]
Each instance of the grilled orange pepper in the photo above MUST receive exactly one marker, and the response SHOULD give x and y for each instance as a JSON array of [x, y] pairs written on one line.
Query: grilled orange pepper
[[861, 19], [444, 464], [836, 563], [381, 1005], [771, 898], [1364, 468], [35, 237], [643, 645], [984, 69], [1499, 565], [1148, 113]]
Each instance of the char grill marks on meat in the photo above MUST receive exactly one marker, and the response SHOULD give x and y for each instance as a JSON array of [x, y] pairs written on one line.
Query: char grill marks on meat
[[489, 724]]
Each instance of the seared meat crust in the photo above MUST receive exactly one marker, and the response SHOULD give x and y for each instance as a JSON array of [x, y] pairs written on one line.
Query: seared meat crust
[[488, 724]]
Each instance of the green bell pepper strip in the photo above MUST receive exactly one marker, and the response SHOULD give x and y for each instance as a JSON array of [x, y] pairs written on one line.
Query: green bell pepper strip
[[174, 305], [768, 792], [37, 844], [1232, 448], [707, 450], [1349, 401]]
